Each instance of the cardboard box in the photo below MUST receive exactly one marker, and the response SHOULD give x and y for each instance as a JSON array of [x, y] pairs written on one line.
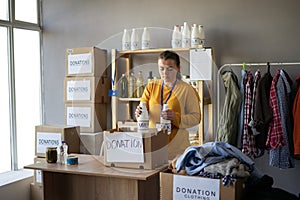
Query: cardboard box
[[154, 152], [36, 192], [86, 61], [184, 191], [90, 143], [52, 135], [91, 117], [86, 89], [38, 177]]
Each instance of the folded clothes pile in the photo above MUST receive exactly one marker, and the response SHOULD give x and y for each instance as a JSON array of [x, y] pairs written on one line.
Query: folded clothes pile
[[214, 160]]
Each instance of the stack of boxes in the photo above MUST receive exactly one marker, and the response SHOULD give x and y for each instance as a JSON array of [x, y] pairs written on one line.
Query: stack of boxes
[[86, 97]]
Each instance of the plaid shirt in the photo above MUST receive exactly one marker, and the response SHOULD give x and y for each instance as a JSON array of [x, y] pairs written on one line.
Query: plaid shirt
[[248, 143], [275, 138]]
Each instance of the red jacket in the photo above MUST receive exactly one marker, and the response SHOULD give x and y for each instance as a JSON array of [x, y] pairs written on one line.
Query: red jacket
[[296, 115]]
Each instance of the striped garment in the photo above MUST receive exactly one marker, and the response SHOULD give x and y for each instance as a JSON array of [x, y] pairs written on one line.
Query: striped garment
[[275, 138]]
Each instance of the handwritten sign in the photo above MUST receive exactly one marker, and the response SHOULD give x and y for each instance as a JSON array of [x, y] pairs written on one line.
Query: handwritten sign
[[78, 90], [200, 64], [124, 147], [46, 139], [80, 63], [79, 116], [185, 187]]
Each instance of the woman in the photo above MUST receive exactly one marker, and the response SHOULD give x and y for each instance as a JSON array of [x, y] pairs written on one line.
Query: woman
[[182, 100]]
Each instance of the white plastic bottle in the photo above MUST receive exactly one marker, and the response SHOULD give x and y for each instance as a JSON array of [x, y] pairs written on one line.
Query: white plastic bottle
[[165, 123], [176, 37], [126, 40], [63, 152], [134, 40], [146, 39], [195, 36], [186, 36], [143, 119], [202, 36]]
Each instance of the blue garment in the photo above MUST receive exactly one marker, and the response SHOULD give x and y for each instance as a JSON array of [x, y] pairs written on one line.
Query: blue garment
[[282, 157], [196, 158], [241, 114]]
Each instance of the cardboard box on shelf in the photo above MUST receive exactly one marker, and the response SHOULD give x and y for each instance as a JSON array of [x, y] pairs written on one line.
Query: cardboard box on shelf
[[86, 89], [173, 186], [90, 143], [86, 61], [52, 135], [129, 149], [36, 192], [91, 117], [38, 177]]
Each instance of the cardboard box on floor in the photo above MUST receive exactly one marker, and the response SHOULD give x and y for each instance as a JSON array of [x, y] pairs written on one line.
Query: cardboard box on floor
[[38, 177], [154, 149], [36, 192], [167, 185], [86, 61], [86, 89], [52, 135]]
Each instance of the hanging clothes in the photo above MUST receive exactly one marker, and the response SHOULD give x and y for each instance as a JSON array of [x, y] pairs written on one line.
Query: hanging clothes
[[248, 143], [227, 128], [241, 114], [282, 157], [275, 133], [296, 116], [262, 113]]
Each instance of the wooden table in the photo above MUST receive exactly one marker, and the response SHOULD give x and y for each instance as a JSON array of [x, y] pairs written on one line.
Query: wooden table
[[90, 179]]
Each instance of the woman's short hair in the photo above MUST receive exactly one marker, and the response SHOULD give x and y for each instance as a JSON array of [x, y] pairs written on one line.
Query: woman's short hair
[[170, 55]]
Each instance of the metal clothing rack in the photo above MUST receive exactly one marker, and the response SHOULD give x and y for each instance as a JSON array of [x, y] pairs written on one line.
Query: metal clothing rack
[[240, 65]]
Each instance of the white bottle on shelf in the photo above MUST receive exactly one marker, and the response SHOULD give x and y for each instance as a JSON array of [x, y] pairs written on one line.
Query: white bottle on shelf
[[176, 37], [134, 40], [143, 119], [202, 36], [195, 36], [126, 40], [186, 36], [165, 123], [146, 39]]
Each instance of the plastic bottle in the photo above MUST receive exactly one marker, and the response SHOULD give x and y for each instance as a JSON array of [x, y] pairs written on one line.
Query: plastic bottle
[[195, 36], [131, 85], [126, 40], [176, 37], [186, 36], [202, 36], [123, 86], [165, 123], [143, 119], [134, 40], [63, 152], [146, 39], [139, 85], [150, 77]]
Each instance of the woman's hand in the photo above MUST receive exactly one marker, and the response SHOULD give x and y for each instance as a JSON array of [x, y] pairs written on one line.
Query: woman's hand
[[168, 114], [138, 111]]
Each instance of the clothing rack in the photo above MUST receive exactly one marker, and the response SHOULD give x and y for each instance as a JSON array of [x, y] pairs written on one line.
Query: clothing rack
[[258, 65]]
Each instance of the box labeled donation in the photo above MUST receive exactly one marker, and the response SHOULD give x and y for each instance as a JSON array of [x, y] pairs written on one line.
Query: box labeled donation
[[52, 135], [180, 187], [86, 61], [91, 117], [86, 89], [145, 149]]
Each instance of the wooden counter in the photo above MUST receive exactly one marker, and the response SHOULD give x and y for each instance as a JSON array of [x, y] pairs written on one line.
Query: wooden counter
[[90, 179]]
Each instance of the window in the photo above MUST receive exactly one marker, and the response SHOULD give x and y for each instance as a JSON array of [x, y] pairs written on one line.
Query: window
[[20, 81]]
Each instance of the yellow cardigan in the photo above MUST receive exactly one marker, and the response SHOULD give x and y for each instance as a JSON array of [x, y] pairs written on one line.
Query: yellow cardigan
[[184, 101]]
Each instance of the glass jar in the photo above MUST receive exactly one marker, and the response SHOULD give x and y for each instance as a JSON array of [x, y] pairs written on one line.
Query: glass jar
[[51, 154]]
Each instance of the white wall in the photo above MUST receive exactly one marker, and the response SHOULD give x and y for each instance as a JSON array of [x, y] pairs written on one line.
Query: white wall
[[250, 31]]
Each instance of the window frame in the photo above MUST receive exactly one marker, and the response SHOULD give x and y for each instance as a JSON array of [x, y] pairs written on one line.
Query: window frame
[[11, 24]]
